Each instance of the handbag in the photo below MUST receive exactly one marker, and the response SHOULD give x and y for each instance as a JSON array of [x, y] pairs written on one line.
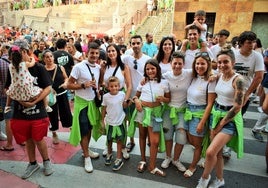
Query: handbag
[[98, 101], [52, 96], [157, 121]]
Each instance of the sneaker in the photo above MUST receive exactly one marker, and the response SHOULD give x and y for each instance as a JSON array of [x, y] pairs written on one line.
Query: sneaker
[[257, 135], [203, 183], [118, 164], [179, 165], [3, 137], [217, 183], [108, 159], [166, 162], [88, 165], [105, 151], [226, 152], [92, 154], [260, 109], [48, 109], [47, 168], [125, 153], [30, 170]]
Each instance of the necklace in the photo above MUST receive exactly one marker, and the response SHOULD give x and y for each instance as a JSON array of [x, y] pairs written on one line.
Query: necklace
[[227, 77]]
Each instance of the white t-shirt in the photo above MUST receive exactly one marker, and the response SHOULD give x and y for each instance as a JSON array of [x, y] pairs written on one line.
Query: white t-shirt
[[109, 72], [165, 67], [77, 55], [203, 35], [115, 113], [178, 86], [197, 92], [216, 49], [136, 75], [151, 90], [247, 66], [81, 73]]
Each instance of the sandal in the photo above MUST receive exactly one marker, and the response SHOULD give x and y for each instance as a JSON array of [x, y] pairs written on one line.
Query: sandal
[[141, 167], [158, 172], [188, 173], [130, 146]]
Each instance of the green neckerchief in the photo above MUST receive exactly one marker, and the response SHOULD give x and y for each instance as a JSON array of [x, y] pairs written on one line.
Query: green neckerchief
[[236, 142], [94, 117]]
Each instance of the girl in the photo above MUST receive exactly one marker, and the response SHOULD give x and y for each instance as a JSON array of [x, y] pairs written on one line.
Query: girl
[[148, 101], [23, 86], [227, 124]]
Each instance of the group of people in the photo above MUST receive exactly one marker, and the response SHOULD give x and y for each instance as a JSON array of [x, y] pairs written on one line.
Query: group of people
[[194, 95]]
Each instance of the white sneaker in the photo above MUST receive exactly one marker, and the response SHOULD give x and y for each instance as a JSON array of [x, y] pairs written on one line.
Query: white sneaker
[[203, 183], [166, 162], [217, 183], [92, 154], [88, 165], [125, 153], [259, 108], [105, 151], [3, 137], [179, 165]]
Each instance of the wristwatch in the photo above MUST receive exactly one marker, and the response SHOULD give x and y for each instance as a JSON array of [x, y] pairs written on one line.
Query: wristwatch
[[83, 86]]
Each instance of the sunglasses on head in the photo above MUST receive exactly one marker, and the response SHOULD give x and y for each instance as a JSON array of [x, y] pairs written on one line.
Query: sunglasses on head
[[135, 64], [202, 54]]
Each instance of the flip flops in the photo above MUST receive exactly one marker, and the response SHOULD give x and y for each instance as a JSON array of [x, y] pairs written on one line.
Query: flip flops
[[6, 149], [157, 171], [188, 173], [141, 166], [130, 146]]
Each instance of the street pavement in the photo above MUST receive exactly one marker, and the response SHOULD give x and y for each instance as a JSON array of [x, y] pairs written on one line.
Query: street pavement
[[248, 172]]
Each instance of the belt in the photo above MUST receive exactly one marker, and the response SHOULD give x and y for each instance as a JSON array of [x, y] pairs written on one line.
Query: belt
[[225, 108]]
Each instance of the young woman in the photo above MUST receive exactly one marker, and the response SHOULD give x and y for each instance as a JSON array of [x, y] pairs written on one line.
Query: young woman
[[166, 48], [148, 114], [179, 80], [227, 124], [200, 97]]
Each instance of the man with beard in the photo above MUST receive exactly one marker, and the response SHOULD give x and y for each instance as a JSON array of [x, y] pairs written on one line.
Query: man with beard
[[149, 48]]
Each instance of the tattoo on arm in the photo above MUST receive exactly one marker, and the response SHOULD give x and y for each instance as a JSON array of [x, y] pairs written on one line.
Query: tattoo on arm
[[240, 87], [230, 115]]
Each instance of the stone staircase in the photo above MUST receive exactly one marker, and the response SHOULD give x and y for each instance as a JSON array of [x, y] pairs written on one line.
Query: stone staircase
[[160, 26]]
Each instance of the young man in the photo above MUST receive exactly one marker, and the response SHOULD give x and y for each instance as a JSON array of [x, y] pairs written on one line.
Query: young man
[[136, 63], [149, 48], [86, 118]]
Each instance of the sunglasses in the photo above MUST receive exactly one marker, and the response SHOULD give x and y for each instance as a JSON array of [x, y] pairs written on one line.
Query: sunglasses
[[134, 43], [202, 54], [135, 64]]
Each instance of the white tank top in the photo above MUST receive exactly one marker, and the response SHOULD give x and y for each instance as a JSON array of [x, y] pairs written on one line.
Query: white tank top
[[225, 91], [109, 72]]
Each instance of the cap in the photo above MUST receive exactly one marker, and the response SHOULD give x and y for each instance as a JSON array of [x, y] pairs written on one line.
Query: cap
[[224, 32], [21, 43], [265, 53]]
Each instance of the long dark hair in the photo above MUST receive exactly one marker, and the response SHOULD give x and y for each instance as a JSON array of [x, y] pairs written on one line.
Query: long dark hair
[[16, 57], [154, 63], [118, 58], [160, 55]]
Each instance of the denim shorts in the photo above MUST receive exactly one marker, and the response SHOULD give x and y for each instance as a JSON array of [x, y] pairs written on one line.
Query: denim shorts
[[229, 128], [192, 124], [8, 115], [172, 129]]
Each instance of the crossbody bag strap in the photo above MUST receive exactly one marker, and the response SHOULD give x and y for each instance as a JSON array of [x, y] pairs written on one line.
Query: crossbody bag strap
[[54, 74], [115, 70]]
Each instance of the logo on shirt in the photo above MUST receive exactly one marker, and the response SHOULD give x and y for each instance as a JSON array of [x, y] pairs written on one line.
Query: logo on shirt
[[241, 69]]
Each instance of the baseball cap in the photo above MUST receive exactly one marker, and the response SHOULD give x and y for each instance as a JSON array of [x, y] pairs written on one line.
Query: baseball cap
[[21, 43], [224, 32], [265, 53]]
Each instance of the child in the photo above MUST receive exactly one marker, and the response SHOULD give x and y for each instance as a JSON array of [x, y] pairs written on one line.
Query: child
[[22, 87], [199, 21], [113, 117], [148, 112]]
